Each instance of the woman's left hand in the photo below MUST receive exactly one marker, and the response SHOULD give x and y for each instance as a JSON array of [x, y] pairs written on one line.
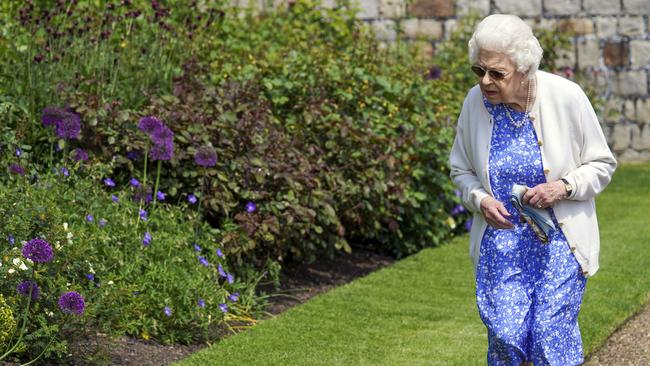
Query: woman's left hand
[[545, 195]]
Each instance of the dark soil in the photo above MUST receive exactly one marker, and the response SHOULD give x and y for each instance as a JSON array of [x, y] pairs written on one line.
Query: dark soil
[[297, 285]]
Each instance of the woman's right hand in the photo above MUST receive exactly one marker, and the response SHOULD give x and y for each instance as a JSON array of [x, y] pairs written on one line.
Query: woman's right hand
[[495, 213]]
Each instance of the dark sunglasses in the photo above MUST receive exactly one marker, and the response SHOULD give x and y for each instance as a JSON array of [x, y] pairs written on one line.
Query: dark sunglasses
[[494, 75]]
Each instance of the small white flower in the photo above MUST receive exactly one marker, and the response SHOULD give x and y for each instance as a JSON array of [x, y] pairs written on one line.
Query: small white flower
[[11, 271], [69, 236], [65, 226], [68, 284], [109, 282], [23, 267], [50, 314], [16, 262]]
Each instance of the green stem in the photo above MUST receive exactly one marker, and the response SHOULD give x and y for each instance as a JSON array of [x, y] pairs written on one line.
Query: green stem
[[155, 190], [22, 329]]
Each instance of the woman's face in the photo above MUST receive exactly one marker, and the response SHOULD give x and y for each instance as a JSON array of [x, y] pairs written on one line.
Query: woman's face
[[501, 83]]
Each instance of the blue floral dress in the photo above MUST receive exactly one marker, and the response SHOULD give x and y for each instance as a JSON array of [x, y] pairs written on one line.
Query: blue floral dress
[[528, 293]]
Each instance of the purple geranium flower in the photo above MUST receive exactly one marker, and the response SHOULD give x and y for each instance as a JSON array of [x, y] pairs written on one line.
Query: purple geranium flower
[[72, 303], [458, 209], [17, 169], [434, 73], [90, 276], [160, 196], [18, 152], [149, 124], [90, 218], [102, 222], [222, 273], [167, 311], [147, 239], [38, 250], [115, 198], [468, 224], [230, 278], [203, 261], [80, 155], [197, 248], [206, 156], [109, 182], [234, 296], [143, 214], [251, 207], [191, 199], [201, 303], [24, 287], [219, 253], [134, 182], [11, 239], [223, 307], [65, 171], [163, 151]]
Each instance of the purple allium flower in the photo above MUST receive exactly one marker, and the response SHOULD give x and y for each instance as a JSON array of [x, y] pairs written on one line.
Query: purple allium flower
[[191, 199], [102, 222], [134, 182], [69, 126], [468, 224], [80, 155], [219, 253], [162, 135], [201, 303], [222, 273], [90, 277], [434, 73], [109, 182], [223, 307], [51, 115], [147, 239], [38, 250], [167, 311], [90, 218], [163, 151], [24, 287], [11, 239], [72, 303], [251, 207], [115, 198], [160, 196], [230, 278], [18, 152], [17, 169], [148, 124], [65, 171], [234, 297], [206, 156], [143, 214], [197, 248], [203, 261]]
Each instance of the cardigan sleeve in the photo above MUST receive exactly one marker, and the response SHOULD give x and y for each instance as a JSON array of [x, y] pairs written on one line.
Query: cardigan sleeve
[[463, 173], [597, 161]]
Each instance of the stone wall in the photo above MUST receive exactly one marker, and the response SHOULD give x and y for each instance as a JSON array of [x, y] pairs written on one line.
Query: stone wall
[[611, 45]]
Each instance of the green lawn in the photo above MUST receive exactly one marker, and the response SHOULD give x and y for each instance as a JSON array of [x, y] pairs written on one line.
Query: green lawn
[[421, 310]]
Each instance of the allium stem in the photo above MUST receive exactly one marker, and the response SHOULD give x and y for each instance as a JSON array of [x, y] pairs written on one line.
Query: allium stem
[[155, 190], [22, 328]]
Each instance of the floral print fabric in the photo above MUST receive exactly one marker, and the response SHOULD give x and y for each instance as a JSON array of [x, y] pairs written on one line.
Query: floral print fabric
[[528, 293]]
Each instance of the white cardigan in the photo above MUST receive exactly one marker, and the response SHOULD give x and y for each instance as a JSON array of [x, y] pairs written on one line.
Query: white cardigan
[[573, 147]]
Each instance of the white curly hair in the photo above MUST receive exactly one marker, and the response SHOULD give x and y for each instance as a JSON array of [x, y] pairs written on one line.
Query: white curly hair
[[511, 36]]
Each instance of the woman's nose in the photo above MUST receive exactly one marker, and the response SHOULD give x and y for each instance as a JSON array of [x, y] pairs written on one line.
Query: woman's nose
[[486, 79]]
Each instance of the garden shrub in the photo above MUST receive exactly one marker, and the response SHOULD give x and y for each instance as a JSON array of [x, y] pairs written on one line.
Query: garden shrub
[[146, 271]]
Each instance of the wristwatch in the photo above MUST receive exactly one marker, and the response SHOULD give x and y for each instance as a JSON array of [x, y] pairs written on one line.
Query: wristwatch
[[567, 186]]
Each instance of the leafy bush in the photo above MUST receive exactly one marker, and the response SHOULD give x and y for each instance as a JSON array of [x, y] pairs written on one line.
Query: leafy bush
[[144, 271]]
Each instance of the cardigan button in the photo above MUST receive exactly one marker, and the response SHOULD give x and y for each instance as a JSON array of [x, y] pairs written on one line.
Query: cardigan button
[[546, 171], [573, 249], [539, 142], [560, 224]]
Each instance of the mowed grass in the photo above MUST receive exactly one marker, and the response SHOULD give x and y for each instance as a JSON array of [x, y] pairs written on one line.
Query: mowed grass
[[421, 310]]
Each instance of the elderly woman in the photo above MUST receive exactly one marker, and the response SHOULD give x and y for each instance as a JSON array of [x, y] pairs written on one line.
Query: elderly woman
[[522, 126]]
